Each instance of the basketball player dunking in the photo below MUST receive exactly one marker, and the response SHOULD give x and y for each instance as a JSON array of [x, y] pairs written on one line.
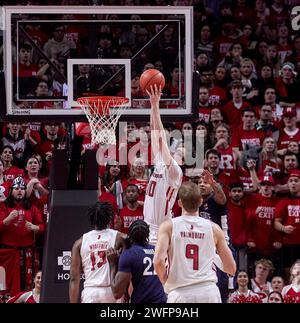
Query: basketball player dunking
[[167, 176], [191, 244]]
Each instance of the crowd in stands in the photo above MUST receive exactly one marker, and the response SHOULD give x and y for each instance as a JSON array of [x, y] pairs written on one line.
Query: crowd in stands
[[247, 61]]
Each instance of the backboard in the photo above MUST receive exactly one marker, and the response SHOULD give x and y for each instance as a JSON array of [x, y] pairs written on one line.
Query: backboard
[[55, 54]]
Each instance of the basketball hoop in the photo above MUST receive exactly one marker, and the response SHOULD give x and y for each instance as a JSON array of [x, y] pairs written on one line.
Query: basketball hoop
[[103, 113]]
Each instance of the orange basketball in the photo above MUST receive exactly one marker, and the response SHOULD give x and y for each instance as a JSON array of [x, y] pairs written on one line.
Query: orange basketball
[[151, 77]]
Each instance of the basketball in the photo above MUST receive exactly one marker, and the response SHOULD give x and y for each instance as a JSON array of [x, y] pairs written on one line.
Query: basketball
[[151, 77]]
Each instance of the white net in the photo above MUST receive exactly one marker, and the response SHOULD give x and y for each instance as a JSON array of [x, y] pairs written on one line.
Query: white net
[[103, 114]]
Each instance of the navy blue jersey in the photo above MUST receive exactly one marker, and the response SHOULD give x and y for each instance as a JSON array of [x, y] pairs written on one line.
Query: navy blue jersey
[[215, 212], [147, 288]]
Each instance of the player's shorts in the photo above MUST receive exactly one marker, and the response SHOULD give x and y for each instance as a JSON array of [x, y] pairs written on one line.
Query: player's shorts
[[153, 233], [98, 295], [199, 293], [153, 237]]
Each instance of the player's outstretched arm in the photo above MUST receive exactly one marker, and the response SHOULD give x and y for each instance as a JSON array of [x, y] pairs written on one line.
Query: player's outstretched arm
[[158, 136], [229, 265], [161, 250], [75, 272]]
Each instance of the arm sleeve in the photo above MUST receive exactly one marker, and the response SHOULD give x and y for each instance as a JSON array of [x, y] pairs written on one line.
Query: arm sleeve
[[125, 262], [37, 219], [280, 210]]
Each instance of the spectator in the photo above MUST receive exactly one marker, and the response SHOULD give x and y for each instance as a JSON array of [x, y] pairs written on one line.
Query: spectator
[[139, 176], [204, 107], [247, 135], [216, 120], [243, 293], [27, 71], [262, 239], [292, 291], [265, 123], [59, 46], [259, 284], [4, 185], [18, 141], [52, 141], [228, 155], [235, 73], [237, 222], [270, 98], [32, 296], [19, 223], [291, 131], [265, 80], [10, 171], [277, 283], [132, 211], [204, 42], [290, 163], [269, 163], [275, 297], [202, 61], [287, 220], [233, 110], [112, 182], [287, 85]]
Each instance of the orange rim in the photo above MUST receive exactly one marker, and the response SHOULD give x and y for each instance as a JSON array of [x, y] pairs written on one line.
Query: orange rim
[[101, 104]]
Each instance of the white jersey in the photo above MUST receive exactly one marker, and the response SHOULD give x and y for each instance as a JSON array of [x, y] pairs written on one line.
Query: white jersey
[[93, 254], [192, 253], [161, 192]]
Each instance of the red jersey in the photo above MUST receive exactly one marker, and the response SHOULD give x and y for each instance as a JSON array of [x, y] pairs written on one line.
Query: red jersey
[[227, 159], [291, 291], [141, 184], [12, 172], [217, 95], [288, 209], [204, 113], [25, 70], [4, 190], [40, 201], [285, 138], [269, 167], [241, 138], [87, 144], [24, 297], [110, 198], [237, 223], [244, 177], [129, 216], [16, 234], [233, 115], [260, 222]]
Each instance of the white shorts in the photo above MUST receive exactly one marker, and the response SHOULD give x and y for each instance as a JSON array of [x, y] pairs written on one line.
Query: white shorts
[[153, 237], [98, 295], [195, 294]]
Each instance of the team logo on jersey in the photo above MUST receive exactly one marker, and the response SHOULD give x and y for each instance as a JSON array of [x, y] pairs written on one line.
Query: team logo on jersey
[[65, 260]]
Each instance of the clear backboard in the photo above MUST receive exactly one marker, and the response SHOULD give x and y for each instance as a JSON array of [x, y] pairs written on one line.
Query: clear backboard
[[53, 55]]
